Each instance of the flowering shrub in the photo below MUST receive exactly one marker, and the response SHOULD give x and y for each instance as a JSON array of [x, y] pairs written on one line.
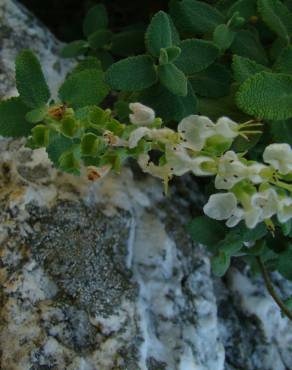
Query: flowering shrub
[[209, 92]]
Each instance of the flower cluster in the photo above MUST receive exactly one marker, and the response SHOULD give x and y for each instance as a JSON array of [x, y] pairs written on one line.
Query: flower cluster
[[255, 192]]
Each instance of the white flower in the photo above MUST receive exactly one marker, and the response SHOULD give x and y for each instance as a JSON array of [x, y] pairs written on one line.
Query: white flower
[[142, 115], [163, 135], [226, 127], [221, 206], [178, 159], [284, 209], [265, 201], [162, 172], [254, 172], [195, 130], [236, 216], [197, 166], [279, 156], [230, 171]]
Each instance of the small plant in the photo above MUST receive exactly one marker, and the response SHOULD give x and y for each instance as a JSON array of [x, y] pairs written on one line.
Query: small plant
[[199, 64]]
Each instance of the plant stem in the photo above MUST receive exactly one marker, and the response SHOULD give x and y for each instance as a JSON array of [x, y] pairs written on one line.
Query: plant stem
[[271, 289]]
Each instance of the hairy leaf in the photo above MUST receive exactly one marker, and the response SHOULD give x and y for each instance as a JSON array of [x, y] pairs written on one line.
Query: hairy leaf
[[267, 95], [191, 16], [223, 36], [74, 48], [30, 81], [196, 55], [132, 74], [284, 61], [220, 263], [99, 38], [160, 33], [84, 88], [96, 19], [173, 79], [213, 82], [243, 68], [12, 118]]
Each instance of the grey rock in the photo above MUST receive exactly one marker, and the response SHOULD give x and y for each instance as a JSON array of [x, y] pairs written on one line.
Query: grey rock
[[104, 276]]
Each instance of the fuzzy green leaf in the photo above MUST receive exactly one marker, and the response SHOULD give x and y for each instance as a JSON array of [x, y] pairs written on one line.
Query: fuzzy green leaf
[[281, 131], [196, 55], [284, 61], [173, 79], [223, 36], [30, 81], [247, 44], [206, 231], [12, 118], [84, 88], [191, 16], [285, 263], [266, 95], [277, 17], [69, 126], [167, 105], [220, 263], [40, 135], [132, 74], [173, 53], [159, 34], [99, 38], [36, 115], [96, 19], [74, 48], [57, 145], [213, 82], [90, 145], [245, 8], [87, 63], [243, 68]]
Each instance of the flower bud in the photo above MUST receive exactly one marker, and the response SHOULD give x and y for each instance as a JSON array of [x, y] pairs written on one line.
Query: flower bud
[[142, 115]]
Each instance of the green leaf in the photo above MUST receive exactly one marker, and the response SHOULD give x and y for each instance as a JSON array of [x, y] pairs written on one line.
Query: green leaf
[[206, 231], [30, 81], [91, 145], [266, 95], [213, 82], [196, 55], [57, 145], [163, 57], [84, 88], [74, 49], [167, 105], [173, 53], [132, 74], [173, 79], [281, 131], [12, 118], [191, 16], [70, 162], [96, 19], [104, 57], [220, 263], [223, 36], [159, 34], [40, 135], [247, 44], [243, 68], [69, 126], [99, 38], [277, 17], [37, 115], [245, 8], [284, 61], [285, 263], [87, 63]]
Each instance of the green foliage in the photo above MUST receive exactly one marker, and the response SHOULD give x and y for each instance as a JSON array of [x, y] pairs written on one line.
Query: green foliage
[[266, 95], [160, 34], [95, 20], [196, 55], [191, 16], [284, 61], [74, 49], [173, 79], [132, 74], [30, 81], [243, 68], [223, 36], [277, 17], [84, 88], [245, 8], [12, 118]]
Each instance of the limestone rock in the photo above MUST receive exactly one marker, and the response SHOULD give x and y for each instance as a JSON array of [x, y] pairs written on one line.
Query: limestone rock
[[100, 276]]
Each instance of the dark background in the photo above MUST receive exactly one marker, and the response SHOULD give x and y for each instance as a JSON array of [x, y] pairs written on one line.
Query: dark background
[[64, 17]]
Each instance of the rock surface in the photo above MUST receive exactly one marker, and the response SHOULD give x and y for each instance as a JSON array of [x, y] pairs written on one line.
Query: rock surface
[[103, 276]]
